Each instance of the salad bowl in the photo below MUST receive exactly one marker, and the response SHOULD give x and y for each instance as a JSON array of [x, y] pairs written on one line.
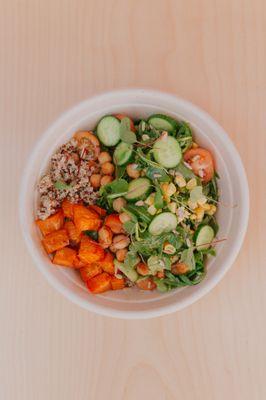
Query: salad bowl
[[232, 214]]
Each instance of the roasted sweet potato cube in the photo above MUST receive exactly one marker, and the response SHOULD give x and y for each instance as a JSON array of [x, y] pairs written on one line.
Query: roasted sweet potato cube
[[52, 223], [117, 283], [113, 222], [90, 271], [99, 283], [107, 263], [90, 251], [55, 241], [65, 257], [85, 219], [73, 233], [78, 263], [99, 210], [67, 208]]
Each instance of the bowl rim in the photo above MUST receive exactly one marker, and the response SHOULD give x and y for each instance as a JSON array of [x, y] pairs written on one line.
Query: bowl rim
[[160, 311]]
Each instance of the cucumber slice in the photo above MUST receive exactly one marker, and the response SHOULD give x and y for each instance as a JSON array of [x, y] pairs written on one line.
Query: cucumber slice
[[131, 273], [163, 122], [204, 236], [138, 188], [108, 130], [167, 152], [122, 153], [163, 223]]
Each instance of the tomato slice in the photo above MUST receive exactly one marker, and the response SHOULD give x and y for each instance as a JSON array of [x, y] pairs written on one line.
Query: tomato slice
[[201, 162]]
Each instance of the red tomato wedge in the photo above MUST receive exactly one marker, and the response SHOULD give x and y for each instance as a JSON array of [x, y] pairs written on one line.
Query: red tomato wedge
[[121, 116], [201, 162]]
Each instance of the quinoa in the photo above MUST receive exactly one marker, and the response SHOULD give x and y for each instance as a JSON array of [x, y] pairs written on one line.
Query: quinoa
[[72, 165]]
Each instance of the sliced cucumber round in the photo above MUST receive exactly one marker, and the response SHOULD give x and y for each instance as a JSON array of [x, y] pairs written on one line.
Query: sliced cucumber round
[[204, 236], [130, 273], [122, 153], [167, 152], [108, 130], [163, 122], [138, 189], [163, 223]]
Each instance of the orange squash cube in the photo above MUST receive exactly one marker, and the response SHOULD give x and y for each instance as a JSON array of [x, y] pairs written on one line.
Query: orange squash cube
[[74, 235], [99, 283], [113, 222], [107, 263], [90, 251], [65, 257], [85, 219], [78, 263], [67, 208], [52, 223], [90, 271], [55, 241], [117, 283], [99, 210]]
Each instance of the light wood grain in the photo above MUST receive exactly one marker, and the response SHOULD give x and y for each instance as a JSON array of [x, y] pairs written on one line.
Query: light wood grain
[[55, 53]]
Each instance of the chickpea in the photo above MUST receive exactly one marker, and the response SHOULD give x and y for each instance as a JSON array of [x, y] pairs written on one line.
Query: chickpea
[[120, 242], [179, 268], [160, 274], [104, 157], [113, 248], [124, 217], [106, 179], [121, 254], [87, 135], [108, 168], [118, 204], [105, 236], [95, 180], [146, 284], [132, 171], [143, 269]]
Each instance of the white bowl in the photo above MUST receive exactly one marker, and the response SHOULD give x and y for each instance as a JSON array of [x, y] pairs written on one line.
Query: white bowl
[[132, 303]]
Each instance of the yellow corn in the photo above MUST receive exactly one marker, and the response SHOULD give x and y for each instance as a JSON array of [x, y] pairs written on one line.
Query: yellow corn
[[192, 205], [212, 210], [191, 184], [180, 181], [206, 207], [150, 200], [172, 207], [171, 189], [195, 145], [193, 217], [152, 210], [202, 201], [199, 213]]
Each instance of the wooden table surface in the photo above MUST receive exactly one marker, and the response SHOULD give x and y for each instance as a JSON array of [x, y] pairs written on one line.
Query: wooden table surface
[[55, 53]]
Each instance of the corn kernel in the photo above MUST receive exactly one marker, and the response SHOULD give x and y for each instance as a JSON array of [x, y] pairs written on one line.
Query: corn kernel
[[212, 210], [150, 199], [191, 184], [172, 207], [180, 181], [192, 205], [195, 145], [171, 189], [199, 213], [202, 201], [193, 217], [152, 210], [206, 207]]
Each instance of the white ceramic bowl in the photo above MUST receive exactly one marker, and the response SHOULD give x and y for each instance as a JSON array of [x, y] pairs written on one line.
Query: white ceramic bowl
[[132, 303]]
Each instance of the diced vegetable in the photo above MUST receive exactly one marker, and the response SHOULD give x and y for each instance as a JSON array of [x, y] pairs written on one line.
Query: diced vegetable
[[51, 224], [138, 189], [117, 283], [163, 223], [167, 152], [114, 223], [67, 208], [89, 271], [98, 210], [73, 233], [90, 251], [107, 264], [108, 130], [85, 219], [163, 122], [99, 283], [55, 241], [65, 257], [146, 284]]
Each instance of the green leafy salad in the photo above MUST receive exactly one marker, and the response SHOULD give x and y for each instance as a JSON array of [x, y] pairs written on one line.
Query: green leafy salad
[[165, 192]]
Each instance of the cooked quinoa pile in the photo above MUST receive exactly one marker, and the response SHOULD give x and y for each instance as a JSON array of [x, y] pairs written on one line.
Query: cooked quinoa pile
[[68, 177]]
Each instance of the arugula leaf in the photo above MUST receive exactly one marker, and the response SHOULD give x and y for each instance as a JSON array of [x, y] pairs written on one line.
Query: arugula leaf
[[184, 136], [126, 134], [129, 227], [140, 212], [158, 199], [157, 173], [132, 259], [187, 257], [161, 286], [92, 234], [184, 171]]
